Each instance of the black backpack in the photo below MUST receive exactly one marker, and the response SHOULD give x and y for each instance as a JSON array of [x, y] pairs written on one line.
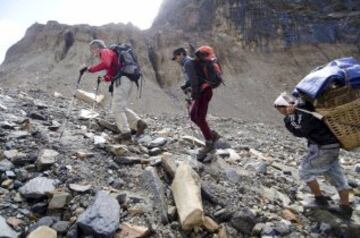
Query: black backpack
[[128, 61]]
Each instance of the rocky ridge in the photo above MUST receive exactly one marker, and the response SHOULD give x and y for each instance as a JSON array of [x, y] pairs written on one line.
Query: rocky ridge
[[84, 183], [264, 46]]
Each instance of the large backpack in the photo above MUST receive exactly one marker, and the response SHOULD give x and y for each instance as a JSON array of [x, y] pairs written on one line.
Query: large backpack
[[207, 67], [128, 61]]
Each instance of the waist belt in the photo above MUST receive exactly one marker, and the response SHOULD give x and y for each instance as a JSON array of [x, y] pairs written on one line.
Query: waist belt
[[330, 146]]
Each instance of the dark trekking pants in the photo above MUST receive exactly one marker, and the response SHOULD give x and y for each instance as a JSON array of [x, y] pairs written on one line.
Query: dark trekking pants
[[199, 110]]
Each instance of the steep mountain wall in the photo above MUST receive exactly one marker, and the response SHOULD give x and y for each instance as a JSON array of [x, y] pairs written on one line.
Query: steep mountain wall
[[264, 46]]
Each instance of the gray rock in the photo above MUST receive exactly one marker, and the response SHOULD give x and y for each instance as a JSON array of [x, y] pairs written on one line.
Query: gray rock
[[223, 215], [257, 166], [18, 158], [61, 227], [37, 187], [46, 159], [155, 151], [232, 175], [10, 174], [54, 126], [127, 160], [40, 207], [268, 229], [145, 140], [40, 104], [6, 165], [100, 219], [108, 125], [357, 168], [19, 134], [12, 154], [37, 116], [5, 230], [152, 183], [243, 221], [158, 142], [7, 125], [283, 227], [121, 198]]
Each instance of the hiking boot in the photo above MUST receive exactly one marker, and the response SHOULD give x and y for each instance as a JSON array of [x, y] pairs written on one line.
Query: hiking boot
[[141, 126], [216, 136], [209, 147], [123, 138], [322, 201], [343, 211]]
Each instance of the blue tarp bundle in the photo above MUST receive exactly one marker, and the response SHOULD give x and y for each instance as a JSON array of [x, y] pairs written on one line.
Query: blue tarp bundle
[[340, 71]]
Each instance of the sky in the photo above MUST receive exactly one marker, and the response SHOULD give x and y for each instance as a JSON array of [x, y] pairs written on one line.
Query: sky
[[17, 15]]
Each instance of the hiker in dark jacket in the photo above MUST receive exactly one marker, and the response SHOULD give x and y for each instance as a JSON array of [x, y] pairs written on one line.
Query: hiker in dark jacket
[[126, 119], [201, 94], [323, 152]]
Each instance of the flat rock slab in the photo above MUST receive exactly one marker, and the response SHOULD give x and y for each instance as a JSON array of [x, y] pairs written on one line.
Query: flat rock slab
[[87, 114], [88, 97], [132, 231], [79, 188], [37, 187], [152, 183], [100, 219], [59, 200]]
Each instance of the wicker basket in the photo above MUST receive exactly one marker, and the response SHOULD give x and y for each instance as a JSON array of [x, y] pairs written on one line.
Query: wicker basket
[[343, 119], [336, 97]]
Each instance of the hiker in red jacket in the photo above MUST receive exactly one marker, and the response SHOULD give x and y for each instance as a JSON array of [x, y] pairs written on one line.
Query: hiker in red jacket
[[126, 119], [201, 94]]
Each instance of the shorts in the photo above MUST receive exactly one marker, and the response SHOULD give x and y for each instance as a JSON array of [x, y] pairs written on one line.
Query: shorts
[[323, 160]]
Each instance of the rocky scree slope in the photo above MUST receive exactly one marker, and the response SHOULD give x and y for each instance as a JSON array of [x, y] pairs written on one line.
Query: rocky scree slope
[[86, 183]]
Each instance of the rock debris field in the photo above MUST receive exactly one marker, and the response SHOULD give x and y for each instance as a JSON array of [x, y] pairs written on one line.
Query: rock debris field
[[86, 185]]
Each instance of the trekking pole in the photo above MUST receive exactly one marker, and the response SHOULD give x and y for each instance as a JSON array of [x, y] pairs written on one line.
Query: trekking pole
[[314, 114], [188, 101], [70, 105], [95, 101]]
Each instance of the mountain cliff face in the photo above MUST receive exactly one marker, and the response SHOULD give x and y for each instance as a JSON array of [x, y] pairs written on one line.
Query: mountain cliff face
[[264, 46]]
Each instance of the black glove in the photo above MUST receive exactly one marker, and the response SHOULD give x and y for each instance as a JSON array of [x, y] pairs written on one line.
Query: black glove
[[83, 70], [195, 95]]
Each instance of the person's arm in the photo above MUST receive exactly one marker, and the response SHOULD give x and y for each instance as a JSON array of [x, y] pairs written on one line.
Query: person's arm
[[191, 74], [105, 62], [292, 126]]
